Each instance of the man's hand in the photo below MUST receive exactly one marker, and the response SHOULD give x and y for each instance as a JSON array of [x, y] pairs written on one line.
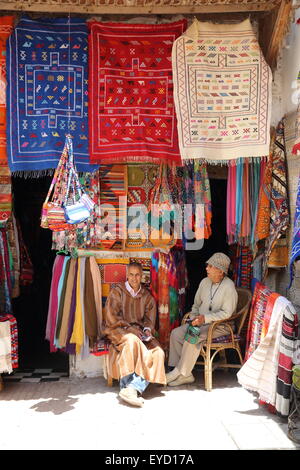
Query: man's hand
[[140, 334], [198, 321]]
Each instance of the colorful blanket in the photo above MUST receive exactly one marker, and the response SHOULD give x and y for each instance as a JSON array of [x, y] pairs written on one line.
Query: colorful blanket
[[131, 110], [6, 28], [222, 92], [47, 93]]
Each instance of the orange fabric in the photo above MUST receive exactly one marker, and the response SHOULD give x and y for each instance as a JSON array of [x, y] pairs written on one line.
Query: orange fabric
[[262, 229], [267, 317]]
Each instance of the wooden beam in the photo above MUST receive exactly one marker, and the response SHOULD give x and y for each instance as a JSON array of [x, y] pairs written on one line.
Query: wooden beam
[[118, 7], [273, 28]]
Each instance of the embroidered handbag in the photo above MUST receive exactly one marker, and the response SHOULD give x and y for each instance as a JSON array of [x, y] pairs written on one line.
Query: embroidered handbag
[[79, 210], [192, 334], [76, 213]]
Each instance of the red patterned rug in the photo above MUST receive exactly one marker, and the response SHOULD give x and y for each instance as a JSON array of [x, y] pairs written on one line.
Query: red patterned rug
[[132, 116]]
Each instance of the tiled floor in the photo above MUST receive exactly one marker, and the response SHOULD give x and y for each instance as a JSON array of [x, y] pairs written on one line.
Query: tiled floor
[[35, 375], [73, 413]]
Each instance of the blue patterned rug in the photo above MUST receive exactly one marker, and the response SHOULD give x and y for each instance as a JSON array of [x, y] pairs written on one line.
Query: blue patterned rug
[[47, 63]]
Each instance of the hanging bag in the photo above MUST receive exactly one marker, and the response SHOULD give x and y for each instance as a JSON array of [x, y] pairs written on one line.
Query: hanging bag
[[80, 210], [53, 216]]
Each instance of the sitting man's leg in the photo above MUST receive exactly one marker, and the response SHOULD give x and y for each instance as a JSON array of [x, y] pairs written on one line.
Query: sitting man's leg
[[130, 386], [182, 373], [176, 345]]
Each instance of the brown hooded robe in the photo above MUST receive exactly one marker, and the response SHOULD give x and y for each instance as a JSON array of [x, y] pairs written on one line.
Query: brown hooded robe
[[124, 317]]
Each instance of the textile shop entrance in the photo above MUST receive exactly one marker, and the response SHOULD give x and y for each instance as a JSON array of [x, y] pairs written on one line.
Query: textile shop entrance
[[31, 307]]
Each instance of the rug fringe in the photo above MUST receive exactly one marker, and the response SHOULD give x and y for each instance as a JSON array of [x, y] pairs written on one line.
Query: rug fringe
[[231, 161], [33, 173]]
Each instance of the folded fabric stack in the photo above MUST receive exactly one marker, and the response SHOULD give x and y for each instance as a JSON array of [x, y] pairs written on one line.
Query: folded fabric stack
[[273, 331]]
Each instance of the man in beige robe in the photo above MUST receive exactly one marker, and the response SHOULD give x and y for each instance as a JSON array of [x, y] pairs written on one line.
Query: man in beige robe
[[135, 356], [216, 299]]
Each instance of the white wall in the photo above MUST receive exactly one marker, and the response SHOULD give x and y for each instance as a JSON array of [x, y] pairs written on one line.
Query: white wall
[[285, 83]]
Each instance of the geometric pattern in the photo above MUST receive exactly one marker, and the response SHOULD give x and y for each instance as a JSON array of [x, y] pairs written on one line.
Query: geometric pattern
[[131, 109], [222, 92], [47, 62]]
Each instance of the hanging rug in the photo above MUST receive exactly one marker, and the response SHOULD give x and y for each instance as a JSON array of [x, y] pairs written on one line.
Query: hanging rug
[[47, 93], [222, 92], [131, 109]]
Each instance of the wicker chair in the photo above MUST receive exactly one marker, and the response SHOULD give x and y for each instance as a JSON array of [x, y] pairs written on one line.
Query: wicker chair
[[213, 346]]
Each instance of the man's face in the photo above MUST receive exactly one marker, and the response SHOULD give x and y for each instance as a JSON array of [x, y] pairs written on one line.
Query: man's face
[[134, 277], [213, 273]]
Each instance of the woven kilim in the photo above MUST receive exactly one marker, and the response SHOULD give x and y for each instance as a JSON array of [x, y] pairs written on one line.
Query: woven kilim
[[131, 108], [113, 199], [222, 92], [47, 93], [6, 28]]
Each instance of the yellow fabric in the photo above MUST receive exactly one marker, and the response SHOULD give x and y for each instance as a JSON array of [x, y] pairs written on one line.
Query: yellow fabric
[[77, 334]]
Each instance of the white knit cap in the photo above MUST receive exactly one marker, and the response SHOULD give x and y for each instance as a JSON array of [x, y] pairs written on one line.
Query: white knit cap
[[219, 260]]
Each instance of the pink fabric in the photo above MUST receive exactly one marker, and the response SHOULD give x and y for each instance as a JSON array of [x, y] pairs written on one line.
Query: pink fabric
[[231, 191], [53, 299]]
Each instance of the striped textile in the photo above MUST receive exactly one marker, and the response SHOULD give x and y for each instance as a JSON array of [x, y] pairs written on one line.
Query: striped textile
[[285, 361], [259, 372]]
